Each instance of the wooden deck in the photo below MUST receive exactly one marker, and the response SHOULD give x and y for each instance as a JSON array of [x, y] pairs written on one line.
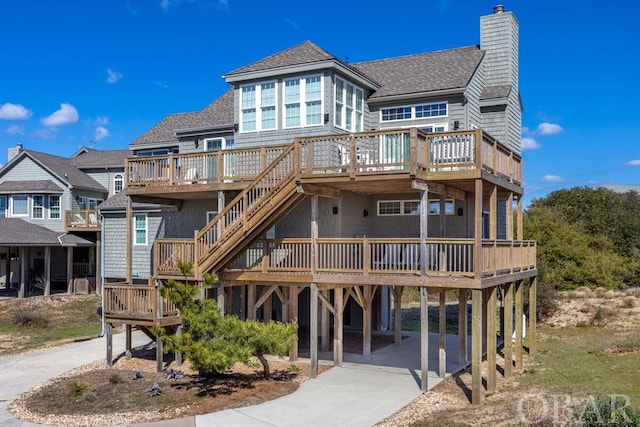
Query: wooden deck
[[82, 220], [138, 305]]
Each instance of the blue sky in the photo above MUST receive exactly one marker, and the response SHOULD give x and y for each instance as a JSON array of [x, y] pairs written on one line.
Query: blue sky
[[78, 72]]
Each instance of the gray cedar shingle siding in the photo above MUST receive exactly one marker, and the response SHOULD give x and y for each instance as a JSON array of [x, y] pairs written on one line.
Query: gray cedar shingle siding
[[35, 186]]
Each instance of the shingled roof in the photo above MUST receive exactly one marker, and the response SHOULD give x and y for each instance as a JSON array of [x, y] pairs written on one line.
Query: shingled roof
[[66, 170], [16, 232], [304, 53], [40, 186], [423, 72], [495, 92], [118, 202], [88, 158]]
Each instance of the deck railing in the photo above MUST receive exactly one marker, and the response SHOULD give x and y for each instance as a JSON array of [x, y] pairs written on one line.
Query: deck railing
[[136, 302], [208, 167], [387, 256], [82, 219], [169, 252]]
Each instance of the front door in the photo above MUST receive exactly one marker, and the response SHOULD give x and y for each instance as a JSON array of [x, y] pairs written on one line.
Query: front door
[[211, 162]]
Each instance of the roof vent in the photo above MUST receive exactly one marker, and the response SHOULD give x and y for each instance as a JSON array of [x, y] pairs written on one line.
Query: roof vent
[[498, 9]]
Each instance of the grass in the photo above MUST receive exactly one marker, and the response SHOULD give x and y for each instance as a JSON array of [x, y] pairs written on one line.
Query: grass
[[61, 318]]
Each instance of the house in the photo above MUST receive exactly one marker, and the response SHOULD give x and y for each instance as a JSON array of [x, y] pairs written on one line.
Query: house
[[49, 225], [319, 190]]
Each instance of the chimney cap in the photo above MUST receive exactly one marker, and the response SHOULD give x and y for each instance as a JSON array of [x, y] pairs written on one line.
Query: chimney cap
[[19, 146], [497, 9]]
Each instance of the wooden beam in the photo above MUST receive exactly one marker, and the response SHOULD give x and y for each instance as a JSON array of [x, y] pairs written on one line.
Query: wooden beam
[[127, 335], [508, 330], [397, 313], [265, 295], [326, 303], [510, 216], [519, 324], [109, 334], [69, 269], [221, 298], [338, 326], [324, 321], [99, 263], [366, 320], [159, 354], [178, 354], [424, 338], [251, 301], [47, 270], [442, 326], [477, 250], [267, 305], [129, 252], [519, 222], [438, 188], [23, 271], [319, 190], [533, 290], [156, 200], [491, 339], [462, 327], [476, 346], [293, 317], [313, 326]]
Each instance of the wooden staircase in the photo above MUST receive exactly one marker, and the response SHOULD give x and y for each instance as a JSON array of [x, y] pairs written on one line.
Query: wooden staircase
[[256, 209]]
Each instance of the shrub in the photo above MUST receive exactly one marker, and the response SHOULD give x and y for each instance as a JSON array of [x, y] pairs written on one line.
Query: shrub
[[26, 313], [600, 291], [115, 379], [77, 389], [629, 302], [609, 411]]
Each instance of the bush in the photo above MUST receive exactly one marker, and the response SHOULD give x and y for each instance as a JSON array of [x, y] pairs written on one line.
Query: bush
[[25, 312], [629, 302], [115, 379], [609, 411], [77, 389]]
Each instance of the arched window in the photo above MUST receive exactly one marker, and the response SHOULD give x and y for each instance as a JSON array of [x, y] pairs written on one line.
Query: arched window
[[118, 182]]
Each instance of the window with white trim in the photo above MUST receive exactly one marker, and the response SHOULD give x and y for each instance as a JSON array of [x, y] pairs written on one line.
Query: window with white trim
[[434, 207], [118, 182], [349, 106], [3, 206], [37, 206], [258, 107], [398, 207], [140, 229], [211, 215], [408, 112], [54, 207], [436, 127], [19, 205], [303, 101]]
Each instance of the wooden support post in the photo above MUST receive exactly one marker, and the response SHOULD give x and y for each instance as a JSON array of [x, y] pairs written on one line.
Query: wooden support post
[[47, 270], [98, 263], [127, 336], [338, 301], [221, 298], [491, 339], [70, 269], [462, 327], [129, 253], [476, 346], [159, 354], [366, 320], [508, 330], [424, 338], [313, 326], [178, 354], [293, 317], [509, 221], [533, 290], [442, 326], [109, 335], [243, 299], [251, 301], [397, 313], [519, 325], [484, 322], [23, 271], [267, 309], [519, 222], [477, 232], [324, 325]]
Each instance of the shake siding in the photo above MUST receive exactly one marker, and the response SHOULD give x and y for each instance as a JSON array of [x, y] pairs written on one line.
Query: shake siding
[[514, 122], [192, 216], [297, 224], [354, 223], [114, 240], [494, 122], [105, 177], [474, 90]]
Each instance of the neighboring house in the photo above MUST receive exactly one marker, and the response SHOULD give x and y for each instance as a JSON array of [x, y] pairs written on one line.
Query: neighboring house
[[49, 224], [313, 181]]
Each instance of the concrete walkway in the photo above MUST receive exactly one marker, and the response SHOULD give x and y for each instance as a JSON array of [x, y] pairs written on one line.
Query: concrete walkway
[[362, 392]]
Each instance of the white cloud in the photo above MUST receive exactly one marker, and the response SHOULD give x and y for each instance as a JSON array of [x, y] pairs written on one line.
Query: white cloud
[[293, 24], [46, 133], [9, 111], [15, 130], [113, 76], [552, 178], [529, 143], [101, 121], [65, 115], [633, 163], [547, 128], [100, 133], [162, 85]]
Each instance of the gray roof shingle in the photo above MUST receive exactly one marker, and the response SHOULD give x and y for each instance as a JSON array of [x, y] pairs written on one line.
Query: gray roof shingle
[[89, 158], [495, 92], [423, 72], [16, 232], [41, 186], [67, 170], [118, 202], [304, 53]]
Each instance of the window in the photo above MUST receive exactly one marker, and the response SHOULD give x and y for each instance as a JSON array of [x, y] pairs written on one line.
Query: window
[[422, 111], [258, 107], [158, 152], [349, 106], [54, 207], [434, 207], [438, 127], [93, 203], [3, 206], [37, 206], [398, 207], [19, 205], [303, 101], [211, 215], [140, 229], [118, 182]]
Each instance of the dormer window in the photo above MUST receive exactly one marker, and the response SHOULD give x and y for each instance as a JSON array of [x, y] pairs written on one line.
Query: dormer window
[[258, 107], [303, 101]]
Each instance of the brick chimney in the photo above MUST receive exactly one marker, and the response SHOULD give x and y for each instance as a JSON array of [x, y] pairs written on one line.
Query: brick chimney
[[14, 151]]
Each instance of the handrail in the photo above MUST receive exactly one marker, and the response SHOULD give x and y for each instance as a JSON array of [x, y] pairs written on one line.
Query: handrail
[[133, 301], [81, 218]]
